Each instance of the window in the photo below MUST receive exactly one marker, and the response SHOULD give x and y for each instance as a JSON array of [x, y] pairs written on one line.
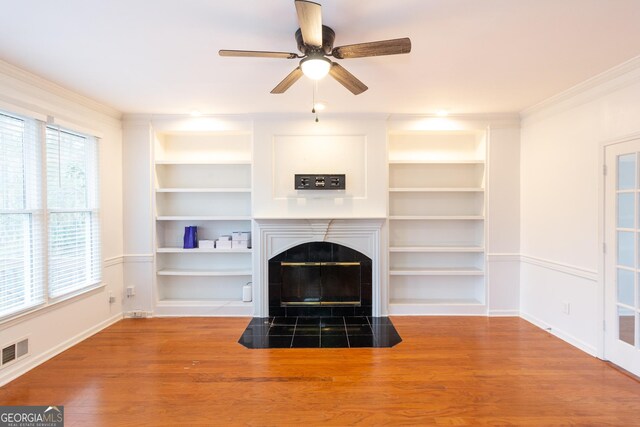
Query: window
[[21, 216], [72, 206], [49, 239]]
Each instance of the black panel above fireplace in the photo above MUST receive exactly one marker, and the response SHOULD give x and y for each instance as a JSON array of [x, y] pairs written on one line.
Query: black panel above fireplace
[[319, 279], [320, 182]]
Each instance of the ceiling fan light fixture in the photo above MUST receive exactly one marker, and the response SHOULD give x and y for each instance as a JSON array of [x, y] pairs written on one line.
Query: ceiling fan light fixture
[[315, 67]]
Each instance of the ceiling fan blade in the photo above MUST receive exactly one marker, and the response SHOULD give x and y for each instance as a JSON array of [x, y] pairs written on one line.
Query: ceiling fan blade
[[288, 81], [258, 54], [310, 21], [384, 47], [347, 79]]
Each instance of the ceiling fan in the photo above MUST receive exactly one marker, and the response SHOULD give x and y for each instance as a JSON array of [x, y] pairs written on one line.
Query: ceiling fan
[[315, 42]]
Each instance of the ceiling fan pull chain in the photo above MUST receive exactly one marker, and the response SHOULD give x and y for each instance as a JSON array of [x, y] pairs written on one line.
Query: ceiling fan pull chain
[[315, 90]]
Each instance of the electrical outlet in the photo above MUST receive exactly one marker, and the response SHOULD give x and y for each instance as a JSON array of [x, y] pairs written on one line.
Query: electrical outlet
[[112, 299], [566, 308], [131, 291]]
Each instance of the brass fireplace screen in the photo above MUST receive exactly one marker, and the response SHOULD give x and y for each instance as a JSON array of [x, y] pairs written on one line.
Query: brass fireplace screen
[[321, 283]]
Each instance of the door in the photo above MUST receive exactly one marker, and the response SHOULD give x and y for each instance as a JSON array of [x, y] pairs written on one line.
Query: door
[[622, 257]]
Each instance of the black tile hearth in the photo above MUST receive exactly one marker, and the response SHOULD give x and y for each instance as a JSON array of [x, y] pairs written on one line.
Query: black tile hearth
[[320, 332]]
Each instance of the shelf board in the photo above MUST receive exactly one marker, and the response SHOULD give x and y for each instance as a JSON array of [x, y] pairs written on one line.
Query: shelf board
[[201, 250], [202, 303], [437, 306], [203, 190], [436, 217], [203, 162], [216, 273], [458, 271], [437, 190], [437, 301], [437, 162], [204, 218], [418, 249]]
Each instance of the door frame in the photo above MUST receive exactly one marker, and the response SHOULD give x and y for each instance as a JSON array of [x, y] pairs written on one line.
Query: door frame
[[600, 288]]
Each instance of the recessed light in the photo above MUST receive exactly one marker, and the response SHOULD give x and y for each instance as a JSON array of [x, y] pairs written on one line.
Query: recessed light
[[442, 113], [196, 113]]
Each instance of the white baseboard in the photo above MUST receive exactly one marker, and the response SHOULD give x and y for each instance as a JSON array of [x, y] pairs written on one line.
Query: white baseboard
[[29, 363], [504, 313], [589, 349]]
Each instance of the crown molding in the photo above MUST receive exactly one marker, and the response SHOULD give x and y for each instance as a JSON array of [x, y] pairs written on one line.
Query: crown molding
[[606, 82], [462, 122], [53, 88]]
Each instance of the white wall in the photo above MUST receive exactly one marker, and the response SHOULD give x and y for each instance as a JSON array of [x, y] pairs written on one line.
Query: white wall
[[354, 146], [60, 326], [560, 176]]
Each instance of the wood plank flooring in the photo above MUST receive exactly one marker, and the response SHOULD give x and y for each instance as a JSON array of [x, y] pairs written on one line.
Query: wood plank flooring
[[448, 371]]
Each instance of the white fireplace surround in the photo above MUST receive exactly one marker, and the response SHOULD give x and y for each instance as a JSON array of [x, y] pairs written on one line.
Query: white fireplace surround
[[273, 236]]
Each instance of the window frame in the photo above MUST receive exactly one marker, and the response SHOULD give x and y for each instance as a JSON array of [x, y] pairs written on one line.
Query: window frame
[[38, 221]]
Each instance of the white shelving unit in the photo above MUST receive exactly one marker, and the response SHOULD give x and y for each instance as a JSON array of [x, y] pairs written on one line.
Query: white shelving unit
[[203, 180], [437, 222]]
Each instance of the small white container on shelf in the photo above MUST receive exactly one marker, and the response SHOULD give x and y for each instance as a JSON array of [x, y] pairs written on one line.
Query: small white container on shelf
[[240, 244], [241, 235], [206, 244], [223, 244]]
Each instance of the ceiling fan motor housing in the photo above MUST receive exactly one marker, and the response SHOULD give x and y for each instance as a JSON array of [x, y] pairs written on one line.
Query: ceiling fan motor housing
[[328, 37]]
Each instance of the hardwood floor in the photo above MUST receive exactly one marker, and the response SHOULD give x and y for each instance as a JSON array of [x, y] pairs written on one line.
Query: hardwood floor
[[449, 371]]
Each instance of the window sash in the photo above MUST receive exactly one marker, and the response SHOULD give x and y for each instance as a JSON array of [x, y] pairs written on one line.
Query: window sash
[[73, 218]]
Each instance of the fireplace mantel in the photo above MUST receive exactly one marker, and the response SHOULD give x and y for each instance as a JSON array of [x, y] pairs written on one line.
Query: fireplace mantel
[[273, 236]]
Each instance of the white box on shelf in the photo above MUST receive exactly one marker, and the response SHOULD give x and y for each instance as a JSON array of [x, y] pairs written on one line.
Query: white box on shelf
[[206, 244], [240, 244], [241, 235], [223, 238], [223, 244]]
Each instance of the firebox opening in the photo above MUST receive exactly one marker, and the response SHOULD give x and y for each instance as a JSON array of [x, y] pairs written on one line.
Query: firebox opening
[[320, 279]]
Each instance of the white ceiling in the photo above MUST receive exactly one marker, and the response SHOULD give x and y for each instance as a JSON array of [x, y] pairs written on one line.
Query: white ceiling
[[468, 56]]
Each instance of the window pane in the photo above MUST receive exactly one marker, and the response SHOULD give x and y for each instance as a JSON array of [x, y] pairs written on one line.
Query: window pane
[[625, 248], [20, 280], [69, 252], [625, 286], [68, 169], [626, 325], [12, 173], [627, 172], [625, 210]]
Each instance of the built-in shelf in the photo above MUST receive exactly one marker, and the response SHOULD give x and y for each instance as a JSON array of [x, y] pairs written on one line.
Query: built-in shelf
[[437, 190], [436, 272], [436, 223], [202, 179], [436, 249], [202, 250], [203, 162], [436, 162], [437, 301], [212, 273], [436, 217], [203, 190], [203, 303], [204, 218]]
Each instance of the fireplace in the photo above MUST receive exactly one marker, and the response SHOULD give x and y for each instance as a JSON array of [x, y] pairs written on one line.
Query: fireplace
[[319, 279], [276, 239]]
